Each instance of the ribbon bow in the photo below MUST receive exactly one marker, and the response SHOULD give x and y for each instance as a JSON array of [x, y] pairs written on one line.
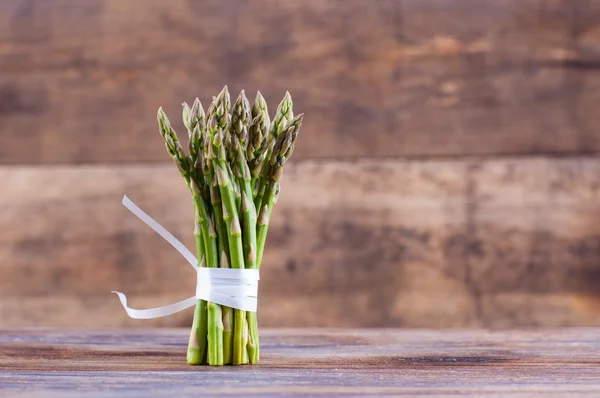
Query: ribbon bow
[[231, 287]]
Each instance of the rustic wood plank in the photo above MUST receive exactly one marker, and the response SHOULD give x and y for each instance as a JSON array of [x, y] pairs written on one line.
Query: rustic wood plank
[[81, 82], [498, 243], [305, 362]]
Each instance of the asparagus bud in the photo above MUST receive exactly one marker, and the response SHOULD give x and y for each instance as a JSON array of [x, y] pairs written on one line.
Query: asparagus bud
[[260, 105], [283, 115]]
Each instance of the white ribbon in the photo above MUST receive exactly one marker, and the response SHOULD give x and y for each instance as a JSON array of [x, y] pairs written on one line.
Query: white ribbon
[[231, 287]]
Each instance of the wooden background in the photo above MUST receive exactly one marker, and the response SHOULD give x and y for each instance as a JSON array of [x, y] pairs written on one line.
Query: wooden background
[[447, 174]]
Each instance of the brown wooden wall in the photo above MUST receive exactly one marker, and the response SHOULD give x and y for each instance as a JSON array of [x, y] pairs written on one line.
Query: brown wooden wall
[[447, 173]]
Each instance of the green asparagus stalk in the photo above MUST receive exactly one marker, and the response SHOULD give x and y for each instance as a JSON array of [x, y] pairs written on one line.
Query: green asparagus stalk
[[239, 132], [236, 252], [255, 155], [227, 188], [227, 335], [283, 115], [227, 312], [282, 150], [204, 224], [215, 335], [220, 225], [197, 344], [240, 121], [219, 119], [194, 119], [209, 235], [198, 337], [215, 199]]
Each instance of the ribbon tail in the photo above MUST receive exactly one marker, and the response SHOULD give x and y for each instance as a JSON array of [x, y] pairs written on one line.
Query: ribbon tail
[[157, 312], [159, 229]]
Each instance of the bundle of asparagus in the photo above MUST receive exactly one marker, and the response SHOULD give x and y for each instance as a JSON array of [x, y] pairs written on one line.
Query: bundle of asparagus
[[233, 168]]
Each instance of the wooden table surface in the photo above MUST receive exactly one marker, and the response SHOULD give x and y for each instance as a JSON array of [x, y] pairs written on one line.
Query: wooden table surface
[[305, 362]]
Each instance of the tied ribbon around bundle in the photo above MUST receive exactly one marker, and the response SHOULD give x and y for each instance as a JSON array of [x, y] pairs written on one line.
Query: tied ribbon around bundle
[[231, 287]]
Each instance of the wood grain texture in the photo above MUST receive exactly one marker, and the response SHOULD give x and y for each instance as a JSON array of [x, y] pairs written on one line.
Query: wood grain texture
[[305, 362], [366, 243], [81, 81]]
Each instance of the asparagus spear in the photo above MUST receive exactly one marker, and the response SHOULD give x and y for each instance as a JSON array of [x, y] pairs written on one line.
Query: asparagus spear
[[256, 151], [240, 121], [283, 115], [198, 338], [255, 154], [230, 212], [209, 235], [218, 119], [239, 132], [204, 224], [282, 150], [227, 321], [236, 255]]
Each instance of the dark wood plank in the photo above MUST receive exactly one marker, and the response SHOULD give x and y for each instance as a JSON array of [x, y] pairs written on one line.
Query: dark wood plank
[[81, 81], [368, 243], [305, 362]]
